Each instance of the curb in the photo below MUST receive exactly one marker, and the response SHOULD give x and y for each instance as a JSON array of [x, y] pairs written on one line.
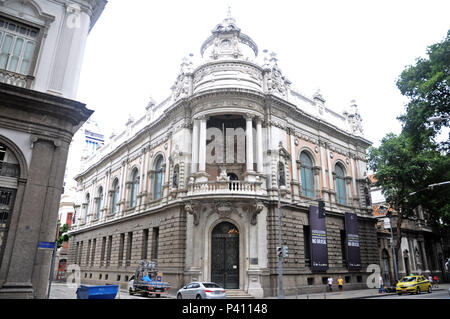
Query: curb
[[385, 294]]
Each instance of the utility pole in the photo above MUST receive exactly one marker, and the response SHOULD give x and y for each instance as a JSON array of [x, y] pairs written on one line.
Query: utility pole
[[280, 244], [280, 254]]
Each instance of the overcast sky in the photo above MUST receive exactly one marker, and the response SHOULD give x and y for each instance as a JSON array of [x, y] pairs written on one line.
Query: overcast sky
[[347, 49]]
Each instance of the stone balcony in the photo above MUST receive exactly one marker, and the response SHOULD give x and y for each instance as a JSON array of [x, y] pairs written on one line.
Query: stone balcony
[[232, 187], [16, 79]]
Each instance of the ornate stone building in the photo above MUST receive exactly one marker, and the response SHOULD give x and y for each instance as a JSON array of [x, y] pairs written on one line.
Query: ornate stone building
[[41, 49], [194, 183], [422, 249]]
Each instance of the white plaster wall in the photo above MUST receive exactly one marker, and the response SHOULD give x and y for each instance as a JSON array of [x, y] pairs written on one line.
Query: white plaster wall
[[22, 140], [61, 51]]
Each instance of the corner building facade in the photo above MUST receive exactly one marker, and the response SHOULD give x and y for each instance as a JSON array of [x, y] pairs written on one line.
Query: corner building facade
[[194, 183], [41, 49]]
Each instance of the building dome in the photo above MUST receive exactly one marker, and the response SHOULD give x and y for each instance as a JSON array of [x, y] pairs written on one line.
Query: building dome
[[228, 42]]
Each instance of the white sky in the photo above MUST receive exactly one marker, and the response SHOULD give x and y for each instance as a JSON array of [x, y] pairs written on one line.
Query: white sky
[[347, 49]]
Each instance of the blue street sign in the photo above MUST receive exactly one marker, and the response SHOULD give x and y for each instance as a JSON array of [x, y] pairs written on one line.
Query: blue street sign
[[46, 245]]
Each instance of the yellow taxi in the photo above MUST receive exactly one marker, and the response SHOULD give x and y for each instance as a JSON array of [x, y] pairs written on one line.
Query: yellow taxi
[[413, 284]]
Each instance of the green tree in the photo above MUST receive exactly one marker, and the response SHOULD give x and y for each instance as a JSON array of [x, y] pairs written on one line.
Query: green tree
[[406, 164], [62, 234], [398, 172], [426, 84]]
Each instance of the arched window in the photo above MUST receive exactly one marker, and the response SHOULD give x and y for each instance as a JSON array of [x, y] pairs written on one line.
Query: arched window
[[341, 194], [86, 207], [306, 175], [157, 186], [134, 187], [115, 195], [99, 202]]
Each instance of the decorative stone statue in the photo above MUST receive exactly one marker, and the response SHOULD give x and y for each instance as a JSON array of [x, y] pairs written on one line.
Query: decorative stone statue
[[281, 175]]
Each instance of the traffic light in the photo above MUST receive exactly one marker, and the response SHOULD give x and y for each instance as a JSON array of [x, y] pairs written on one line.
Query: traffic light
[[285, 251], [321, 209], [279, 251]]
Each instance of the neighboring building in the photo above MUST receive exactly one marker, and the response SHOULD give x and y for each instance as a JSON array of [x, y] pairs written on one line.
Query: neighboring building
[[41, 49], [85, 143], [421, 249], [193, 184]]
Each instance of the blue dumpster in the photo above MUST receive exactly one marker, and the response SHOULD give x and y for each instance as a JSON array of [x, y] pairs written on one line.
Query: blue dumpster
[[97, 292]]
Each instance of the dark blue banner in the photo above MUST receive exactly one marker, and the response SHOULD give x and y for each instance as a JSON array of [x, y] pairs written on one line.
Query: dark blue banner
[[319, 252], [353, 251]]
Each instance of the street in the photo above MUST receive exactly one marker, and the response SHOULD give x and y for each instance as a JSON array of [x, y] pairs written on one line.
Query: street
[[436, 294]]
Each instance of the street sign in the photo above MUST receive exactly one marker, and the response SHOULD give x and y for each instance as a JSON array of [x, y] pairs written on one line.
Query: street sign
[[46, 245]]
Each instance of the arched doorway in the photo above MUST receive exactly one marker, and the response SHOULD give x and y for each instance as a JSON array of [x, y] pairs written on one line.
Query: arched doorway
[[9, 170], [225, 255], [62, 269]]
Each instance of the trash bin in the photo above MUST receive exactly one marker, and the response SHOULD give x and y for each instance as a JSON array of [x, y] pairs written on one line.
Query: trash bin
[[97, 292]]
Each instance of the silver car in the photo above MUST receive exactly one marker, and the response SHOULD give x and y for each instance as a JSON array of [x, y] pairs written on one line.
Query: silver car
[[201, 290]]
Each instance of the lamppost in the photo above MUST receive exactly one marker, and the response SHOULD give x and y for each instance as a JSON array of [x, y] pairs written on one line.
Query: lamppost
[[389, 215], [437, 119], [279, 248]]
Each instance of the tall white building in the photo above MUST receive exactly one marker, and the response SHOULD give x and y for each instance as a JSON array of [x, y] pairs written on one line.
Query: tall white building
[[41, 50], [194, 183]]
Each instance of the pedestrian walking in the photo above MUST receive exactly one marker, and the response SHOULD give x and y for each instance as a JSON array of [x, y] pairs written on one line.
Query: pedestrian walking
[[330, 284], [436, 281], [340, 282], [430, 279], [381, 283]]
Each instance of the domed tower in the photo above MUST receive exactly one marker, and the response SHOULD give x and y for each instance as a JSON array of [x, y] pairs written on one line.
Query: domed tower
[[228, 60], [228, 42]]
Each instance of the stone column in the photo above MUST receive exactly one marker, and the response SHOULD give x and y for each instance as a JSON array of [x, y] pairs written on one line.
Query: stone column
[[249, 140], [194, 161], [28, 268], [293, 157], [259, 146], [143, 183], [202, 176]]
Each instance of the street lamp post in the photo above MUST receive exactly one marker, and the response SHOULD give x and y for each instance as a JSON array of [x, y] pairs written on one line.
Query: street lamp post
[[280, 255], [389, 215]]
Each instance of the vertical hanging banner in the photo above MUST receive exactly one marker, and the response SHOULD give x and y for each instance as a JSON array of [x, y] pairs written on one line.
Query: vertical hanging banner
[[353, 251], [319, 252]]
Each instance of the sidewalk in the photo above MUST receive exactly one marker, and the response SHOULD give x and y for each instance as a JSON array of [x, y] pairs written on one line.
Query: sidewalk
[[63, 291], [350, 294]]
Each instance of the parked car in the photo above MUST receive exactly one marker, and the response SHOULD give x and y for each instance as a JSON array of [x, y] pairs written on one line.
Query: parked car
[[201, 290], [413, 284]]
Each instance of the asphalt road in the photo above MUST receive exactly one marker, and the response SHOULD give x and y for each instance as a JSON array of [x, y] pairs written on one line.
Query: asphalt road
[[437, 294]]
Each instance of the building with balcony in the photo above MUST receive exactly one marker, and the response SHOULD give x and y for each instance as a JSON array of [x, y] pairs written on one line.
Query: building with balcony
[[194, 182], [41, 49], [421, 251]]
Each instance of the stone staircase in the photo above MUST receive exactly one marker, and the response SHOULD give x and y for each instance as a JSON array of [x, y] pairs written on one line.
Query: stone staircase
[[238, 294]]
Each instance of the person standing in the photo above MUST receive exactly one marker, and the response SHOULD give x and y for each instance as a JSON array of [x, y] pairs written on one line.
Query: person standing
[[330, 284], [381, 283], [340, 282]]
